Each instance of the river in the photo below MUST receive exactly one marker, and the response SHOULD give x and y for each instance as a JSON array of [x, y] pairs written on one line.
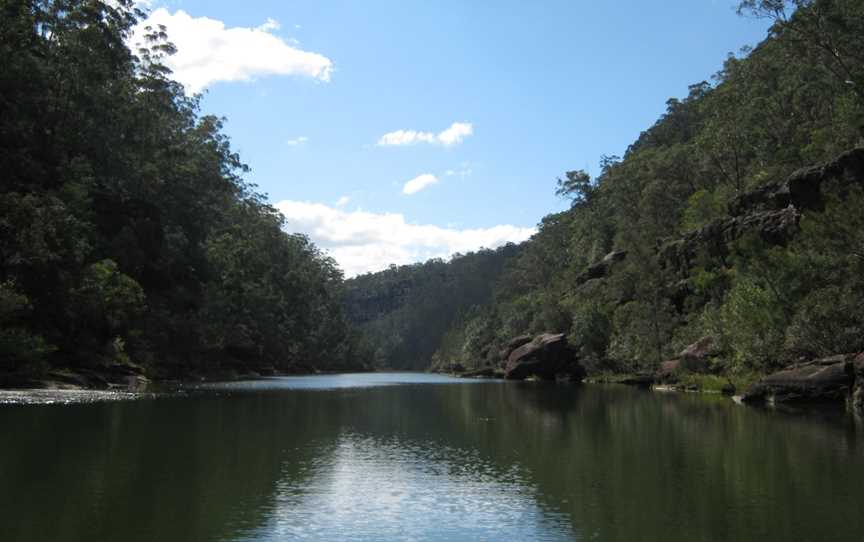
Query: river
[[393, 456]]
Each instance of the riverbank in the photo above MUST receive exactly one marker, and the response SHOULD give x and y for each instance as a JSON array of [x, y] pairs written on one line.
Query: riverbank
[[130, 377]]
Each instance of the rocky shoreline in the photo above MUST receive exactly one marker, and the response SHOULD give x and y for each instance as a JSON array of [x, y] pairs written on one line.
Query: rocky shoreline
[[833, 380], [133, 378]]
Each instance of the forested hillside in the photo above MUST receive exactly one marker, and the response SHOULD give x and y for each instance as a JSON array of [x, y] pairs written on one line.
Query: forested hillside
[[698, 231], [127, 231], [404, 311]]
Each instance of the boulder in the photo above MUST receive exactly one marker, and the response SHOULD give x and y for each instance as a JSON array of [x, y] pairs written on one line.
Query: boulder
[[696, 358], [602, 268], [547, 356], [512, 344], [822, 380], [668, 372]]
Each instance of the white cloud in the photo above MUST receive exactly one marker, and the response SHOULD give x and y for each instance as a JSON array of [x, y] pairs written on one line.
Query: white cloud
[[453, 135], [363, 242], [456, 133], [419, 183], [208, 52], [297, 141], [463, 171], [269, 25], [343, 201]]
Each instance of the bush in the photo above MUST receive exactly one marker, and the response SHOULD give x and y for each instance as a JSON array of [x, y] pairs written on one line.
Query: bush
[[590, 332], [751, 320], [828, 321], [19, 348]]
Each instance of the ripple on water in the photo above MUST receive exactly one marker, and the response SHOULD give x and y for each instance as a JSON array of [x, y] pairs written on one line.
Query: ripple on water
[[371, 489], [64, 397]]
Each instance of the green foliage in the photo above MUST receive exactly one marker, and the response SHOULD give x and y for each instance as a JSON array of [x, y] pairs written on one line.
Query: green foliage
[[751, 323], [107, 298], [591, 332], [704, 206], [18, 347], [828, 321], [793, 100], [125, 221], [641, 332]]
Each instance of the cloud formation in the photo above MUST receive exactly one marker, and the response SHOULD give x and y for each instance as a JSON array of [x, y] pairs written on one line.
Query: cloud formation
[[419, 183], [297, 141], [363, 242], [208, 52], [453, 135]]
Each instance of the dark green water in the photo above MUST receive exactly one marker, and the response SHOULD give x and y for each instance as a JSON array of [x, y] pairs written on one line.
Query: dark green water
[[350, 458]]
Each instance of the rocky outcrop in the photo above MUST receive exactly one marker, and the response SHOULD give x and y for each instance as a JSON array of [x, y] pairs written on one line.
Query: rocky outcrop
[[803, 189], [119, 376], [772, 212], [546, 356], [512, 345], [696, 358], [602, 268], [773, 227], [823, 380]]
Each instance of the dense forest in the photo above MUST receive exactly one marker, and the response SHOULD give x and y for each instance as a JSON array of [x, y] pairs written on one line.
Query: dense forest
[[403, 312], [128, 236], [697, 231]]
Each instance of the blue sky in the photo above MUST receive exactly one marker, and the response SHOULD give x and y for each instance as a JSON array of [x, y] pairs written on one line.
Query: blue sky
[[486, 103]]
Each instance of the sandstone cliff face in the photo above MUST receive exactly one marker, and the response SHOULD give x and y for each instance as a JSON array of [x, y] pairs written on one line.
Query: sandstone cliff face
[[803, 189], [716, 238], [772, 212]]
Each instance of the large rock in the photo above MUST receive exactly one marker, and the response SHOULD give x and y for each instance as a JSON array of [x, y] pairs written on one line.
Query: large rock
[[547, 357], [513, 344], [696, 358], [602, 268], [824, 380]]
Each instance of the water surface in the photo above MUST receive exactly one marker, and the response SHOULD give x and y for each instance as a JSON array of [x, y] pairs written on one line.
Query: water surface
[[422, 457]]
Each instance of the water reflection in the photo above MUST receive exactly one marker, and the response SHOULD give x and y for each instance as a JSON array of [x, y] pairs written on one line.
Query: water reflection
[[426, 460], [373, 489]]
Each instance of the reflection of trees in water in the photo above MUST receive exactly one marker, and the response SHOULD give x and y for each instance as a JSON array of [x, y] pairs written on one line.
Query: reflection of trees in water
[[170, 469], [627, 463], [620, 462]]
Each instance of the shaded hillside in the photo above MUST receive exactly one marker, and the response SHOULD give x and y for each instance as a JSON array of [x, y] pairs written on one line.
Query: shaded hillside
[[699, 230], [403, 312], [127, 231]]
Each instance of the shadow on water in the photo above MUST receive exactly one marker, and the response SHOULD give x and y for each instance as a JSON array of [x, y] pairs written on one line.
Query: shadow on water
[[478, 461]]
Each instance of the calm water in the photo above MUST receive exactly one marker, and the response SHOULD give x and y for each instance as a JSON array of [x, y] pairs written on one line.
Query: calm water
[[419, 457]]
